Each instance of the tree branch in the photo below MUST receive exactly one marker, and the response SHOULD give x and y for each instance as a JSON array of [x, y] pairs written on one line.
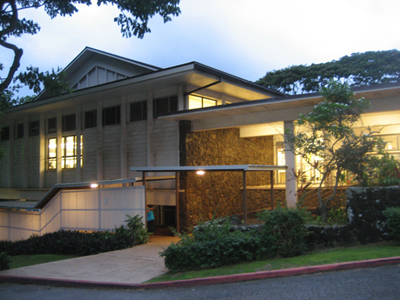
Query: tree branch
[[15, 65]]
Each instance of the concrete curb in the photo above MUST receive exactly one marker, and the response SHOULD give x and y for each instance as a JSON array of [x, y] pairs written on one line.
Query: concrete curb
[[203, 281]]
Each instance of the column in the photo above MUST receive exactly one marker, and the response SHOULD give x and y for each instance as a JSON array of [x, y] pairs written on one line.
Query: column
[[123, 140], [291, 182]]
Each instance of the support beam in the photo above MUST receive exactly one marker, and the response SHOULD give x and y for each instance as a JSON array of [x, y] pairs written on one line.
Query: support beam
[[272, 189], [177, 200], [291, 182], [244, 198]]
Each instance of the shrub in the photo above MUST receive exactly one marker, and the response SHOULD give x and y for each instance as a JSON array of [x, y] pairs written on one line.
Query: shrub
[[212, 244], [283, 231], [80, 243], [393, 221], [136, 230], [4, 261]]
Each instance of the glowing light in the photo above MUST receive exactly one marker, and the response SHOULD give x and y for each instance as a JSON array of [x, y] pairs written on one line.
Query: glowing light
[[201, 172], [94, 185]]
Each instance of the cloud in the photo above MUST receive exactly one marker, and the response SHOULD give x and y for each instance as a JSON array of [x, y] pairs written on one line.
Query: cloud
[[246, 39]]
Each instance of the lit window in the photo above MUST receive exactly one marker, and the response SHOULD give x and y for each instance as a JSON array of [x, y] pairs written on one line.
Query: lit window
[[68, 153], [52, 163], [68, 158], [200, 102]]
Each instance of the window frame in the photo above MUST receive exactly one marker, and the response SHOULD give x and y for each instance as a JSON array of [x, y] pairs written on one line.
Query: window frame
[[93, 118], [5, 133], [171, 103], [34, 128], [142, 107], [19, 131], [112, 112], [68, 123]]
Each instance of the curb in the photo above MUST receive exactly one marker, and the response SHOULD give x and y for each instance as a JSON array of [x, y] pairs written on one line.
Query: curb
[[202, 281]]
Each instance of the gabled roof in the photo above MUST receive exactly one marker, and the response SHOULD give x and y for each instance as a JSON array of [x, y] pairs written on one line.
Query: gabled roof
[[90, 60], [88, 52]]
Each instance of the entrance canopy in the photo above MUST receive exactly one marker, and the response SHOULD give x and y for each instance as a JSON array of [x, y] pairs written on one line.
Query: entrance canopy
[[224, 168]]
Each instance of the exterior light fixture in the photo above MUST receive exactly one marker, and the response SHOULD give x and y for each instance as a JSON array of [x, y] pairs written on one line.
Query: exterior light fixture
[[201, 172], [94, 185]]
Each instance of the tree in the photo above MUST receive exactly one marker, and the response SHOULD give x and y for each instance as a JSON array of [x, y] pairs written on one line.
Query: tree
[[133, 20], [358, 69], [325, 138]]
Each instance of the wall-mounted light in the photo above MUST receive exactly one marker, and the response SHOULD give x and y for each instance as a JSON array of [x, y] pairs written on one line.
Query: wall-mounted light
[[94, 185], [201, 172]]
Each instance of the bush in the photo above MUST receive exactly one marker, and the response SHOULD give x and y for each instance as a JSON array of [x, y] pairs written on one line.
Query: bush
[[209, 251], [283, 231], [4, 261], [80, 243], [136, 230], [393, 222], [215, 243]]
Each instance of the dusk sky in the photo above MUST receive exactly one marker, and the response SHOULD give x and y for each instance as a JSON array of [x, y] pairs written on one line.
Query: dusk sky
[[244, 38]]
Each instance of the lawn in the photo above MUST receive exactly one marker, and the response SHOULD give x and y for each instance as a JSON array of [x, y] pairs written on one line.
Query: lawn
[[336, 255], [35, 259]]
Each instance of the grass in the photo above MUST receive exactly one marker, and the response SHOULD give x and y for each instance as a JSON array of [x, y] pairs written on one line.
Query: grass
[[19, 261], [336, 255]]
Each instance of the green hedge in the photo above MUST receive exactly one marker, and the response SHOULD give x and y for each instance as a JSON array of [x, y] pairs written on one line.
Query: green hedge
[[213, 244], [4, 261], [80, 243], [393, 222]]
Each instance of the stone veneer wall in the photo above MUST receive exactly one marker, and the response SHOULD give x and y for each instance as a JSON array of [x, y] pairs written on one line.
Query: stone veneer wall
[[220, 192]]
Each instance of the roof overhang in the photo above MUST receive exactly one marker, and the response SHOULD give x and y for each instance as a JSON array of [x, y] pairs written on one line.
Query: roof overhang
[[278, 103], [191, 74]]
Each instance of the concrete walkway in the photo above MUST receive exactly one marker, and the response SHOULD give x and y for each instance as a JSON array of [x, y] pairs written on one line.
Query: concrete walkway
[[130, 266]]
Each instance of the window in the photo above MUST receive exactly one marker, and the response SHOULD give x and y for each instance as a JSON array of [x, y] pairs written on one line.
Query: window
[[19, 131], [52, 125], [68, 158], [52, 154], [34, 128], [111, 115], [200, 102], [68, 123], [138, 111], [68, 153], [165, 105], [90, 119], [5, 133]]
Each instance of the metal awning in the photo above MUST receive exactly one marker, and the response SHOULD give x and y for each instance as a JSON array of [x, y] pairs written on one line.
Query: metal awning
[[222, 168]]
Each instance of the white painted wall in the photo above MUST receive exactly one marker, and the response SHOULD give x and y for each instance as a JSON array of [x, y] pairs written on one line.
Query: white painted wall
[[101, 209]]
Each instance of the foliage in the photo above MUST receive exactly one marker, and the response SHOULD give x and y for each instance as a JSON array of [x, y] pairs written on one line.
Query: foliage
[[80, 243], [326, 141], [4, 261], [213, 244], [358, 69], [133, 21], [212, 247], [393, 221], [283, 230], [136, 230], [382, 170], [331, 256]]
